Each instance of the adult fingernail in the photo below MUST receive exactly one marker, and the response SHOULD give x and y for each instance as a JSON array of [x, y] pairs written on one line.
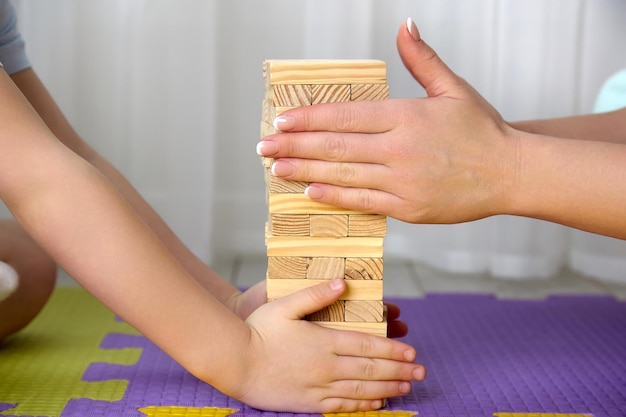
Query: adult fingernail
[[284, 123], [266, 148], [282, 168], [410, 26], [313, 192]]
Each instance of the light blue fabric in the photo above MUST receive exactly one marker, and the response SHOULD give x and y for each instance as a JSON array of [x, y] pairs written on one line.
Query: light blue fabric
[[612, 95], [12, 51]]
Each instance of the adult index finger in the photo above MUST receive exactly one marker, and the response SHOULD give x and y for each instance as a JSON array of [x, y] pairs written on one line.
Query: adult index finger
[[355, 116]]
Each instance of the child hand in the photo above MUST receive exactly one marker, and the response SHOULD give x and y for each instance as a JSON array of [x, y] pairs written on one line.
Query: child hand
[[294, 365], [395, 326], [243, 304]]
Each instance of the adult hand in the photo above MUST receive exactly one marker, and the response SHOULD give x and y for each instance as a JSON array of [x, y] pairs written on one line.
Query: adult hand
[[446, 158], [294, 365]]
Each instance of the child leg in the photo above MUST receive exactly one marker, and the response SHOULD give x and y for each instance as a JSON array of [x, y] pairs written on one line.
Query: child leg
[[35, 273]]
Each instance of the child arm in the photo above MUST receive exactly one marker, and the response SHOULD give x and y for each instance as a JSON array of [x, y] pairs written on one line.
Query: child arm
[[78, 216], [606, 127], [36, 93]]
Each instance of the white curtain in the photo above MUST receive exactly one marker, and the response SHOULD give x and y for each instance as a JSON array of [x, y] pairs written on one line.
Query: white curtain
[[170, 92]]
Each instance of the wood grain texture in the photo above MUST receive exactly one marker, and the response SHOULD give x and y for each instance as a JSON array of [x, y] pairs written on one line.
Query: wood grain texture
[[352, 247], [325, 72], [329, 93], [279, 267], [280, 186], [334, 312], [367, 225], [364, 311], [290, 225], [329, 225], [294, 95], [362, 92], [300, 204], [364, 268], [326, 268], [376, 329], [356, 290]]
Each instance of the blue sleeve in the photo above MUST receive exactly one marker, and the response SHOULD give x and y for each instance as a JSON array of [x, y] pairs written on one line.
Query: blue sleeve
[[12, 51]]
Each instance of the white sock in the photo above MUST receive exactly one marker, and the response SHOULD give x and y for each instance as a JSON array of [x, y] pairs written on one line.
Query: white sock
[[8, 280]]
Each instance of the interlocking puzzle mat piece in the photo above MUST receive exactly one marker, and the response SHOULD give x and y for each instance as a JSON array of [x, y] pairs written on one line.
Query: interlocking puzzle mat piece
[[41, 367], [157, 387], [539, 415], [187, 411], [560, 357], [223, 412], [383, 413]]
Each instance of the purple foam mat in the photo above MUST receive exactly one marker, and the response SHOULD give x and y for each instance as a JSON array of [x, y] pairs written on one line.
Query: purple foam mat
[[562, 355], [483, 355]]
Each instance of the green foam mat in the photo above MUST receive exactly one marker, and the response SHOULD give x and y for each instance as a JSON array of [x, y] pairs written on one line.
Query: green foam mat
[[42, 366]]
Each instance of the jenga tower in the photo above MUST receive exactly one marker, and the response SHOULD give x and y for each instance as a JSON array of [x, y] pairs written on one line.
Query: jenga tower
[[308, 241]]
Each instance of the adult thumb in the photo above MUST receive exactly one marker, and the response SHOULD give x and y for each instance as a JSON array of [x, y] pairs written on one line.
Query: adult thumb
[[312, 299], [423, 62]]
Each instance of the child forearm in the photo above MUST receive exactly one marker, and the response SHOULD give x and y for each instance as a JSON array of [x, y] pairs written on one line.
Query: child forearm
[[85, 225], [30, 85], [606, 127]]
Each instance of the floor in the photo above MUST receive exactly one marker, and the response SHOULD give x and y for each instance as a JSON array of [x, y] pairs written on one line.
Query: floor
[[404, 278]]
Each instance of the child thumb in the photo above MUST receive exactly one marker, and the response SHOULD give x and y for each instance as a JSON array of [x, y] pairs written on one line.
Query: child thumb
[[423, 62], [312, 299]]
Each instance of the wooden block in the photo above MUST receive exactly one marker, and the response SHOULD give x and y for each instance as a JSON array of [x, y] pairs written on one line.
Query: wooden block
[[309, 242], [361, 92], [329, 93], [279, 267], [357, 290], [325, 72], [301, 204], [376, 329], [267, 163], [334, 312], [353, 247], [267, 176], [290, 224], [370, 311], [291, 95], [268, 111], [280, 186], [329, 225], [326, 268], [364, 268], [267, 129], [367, 225], [281, 109]]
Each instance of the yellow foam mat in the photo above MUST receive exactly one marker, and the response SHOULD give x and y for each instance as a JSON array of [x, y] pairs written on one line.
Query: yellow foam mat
[[41, 366]]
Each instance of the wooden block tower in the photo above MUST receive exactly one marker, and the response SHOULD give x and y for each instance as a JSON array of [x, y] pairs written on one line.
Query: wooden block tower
[[308, 241]]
